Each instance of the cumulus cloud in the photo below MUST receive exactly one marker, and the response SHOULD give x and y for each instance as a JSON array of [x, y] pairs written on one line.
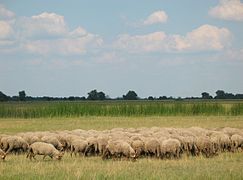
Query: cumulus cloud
[[228, 10], [43, 25], [6, 14], [156, 17], [141, 43], [204, 38], [46, 33], [64, 46], [5, 30]]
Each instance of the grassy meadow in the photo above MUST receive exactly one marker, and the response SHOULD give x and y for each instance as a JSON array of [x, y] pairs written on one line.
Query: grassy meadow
[[42, 116]]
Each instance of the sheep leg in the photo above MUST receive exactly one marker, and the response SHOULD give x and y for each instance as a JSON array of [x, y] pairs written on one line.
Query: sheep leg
[[9, 149], [44, 157]]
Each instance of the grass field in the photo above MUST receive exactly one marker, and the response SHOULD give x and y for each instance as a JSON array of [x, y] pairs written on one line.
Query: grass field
[[224, 166], [43, 116]]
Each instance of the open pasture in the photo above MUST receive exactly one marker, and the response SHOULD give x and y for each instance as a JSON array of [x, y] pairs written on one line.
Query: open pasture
[[51, 116], [224, 166]]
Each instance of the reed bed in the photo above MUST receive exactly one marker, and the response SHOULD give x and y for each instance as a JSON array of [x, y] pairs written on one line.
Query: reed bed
[[119, 108]]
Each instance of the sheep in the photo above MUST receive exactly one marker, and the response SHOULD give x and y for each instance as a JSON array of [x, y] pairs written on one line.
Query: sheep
[[92, 147], [14, 143], [151, 147], [170, 148], [205, 146], [102, 141], [222, 141], [46, 149], [78, 146], [237, 142], [2, 154], [119, 149], [138, 147], [52, 140]]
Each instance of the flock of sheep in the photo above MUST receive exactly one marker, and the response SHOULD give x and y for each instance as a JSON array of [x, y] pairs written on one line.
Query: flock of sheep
[[130, 143]]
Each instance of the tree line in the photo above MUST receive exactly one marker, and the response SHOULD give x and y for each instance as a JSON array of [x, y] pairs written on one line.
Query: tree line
[[94, 95]]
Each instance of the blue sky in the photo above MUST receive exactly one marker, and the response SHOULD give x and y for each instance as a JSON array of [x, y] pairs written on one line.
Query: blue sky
[[172, 48]]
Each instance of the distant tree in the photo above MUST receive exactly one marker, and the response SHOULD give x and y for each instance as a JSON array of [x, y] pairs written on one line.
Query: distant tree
[[239, 96], [71, 98], [163, 98], [229, 96], [101, 96], [94, 95], [3, 97], [220, 94], [150, 98], [131, 95], [22, 95], [206, 95]]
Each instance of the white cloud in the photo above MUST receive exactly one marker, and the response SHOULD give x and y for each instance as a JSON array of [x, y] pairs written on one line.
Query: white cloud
[[204, 38], [43, 25], [141, 43], [156, 17], [5, 30], [65, 46], [46, 33], [5, 14], [228, 10]]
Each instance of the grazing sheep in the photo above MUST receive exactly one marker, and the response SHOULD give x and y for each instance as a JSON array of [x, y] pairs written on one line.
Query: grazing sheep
[[41, 148], [92, 148], [223, 141], [152, 147], [138, 147], [205, 146], [54, 141], [102, 141], [2, 154], [170, 148], [237, 142], [14, 143], [118, 149], [78, 146]]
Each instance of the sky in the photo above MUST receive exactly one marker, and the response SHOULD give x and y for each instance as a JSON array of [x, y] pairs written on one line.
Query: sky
[[156, 48]]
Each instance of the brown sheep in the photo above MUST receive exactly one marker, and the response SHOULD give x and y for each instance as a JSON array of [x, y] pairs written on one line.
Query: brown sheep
[[41, 148]]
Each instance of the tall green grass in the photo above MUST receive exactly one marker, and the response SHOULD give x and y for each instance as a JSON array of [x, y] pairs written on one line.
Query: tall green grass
[[119, 108]]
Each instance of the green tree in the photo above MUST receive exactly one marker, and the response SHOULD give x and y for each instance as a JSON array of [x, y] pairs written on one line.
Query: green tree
[[94, 95], [220, 94], [3, 97], [131, 95], [206, 95], [22, 95]]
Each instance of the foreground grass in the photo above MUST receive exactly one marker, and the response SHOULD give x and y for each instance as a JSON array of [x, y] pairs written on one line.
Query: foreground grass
[[224, 166], [13, 125]]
